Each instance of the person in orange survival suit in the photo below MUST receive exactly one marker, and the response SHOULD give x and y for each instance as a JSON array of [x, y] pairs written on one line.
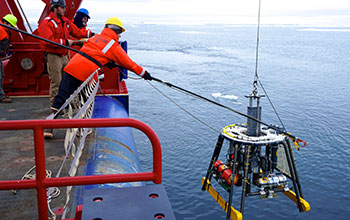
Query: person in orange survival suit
[[5, 36], [102, 47], [80, 19], [57, 28]]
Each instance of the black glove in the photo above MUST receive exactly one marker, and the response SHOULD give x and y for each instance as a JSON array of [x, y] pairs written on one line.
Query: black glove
[[147, 76], [92, 34], [111, 64]]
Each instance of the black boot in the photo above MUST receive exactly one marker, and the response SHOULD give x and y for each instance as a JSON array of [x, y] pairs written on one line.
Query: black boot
[[48, 132]]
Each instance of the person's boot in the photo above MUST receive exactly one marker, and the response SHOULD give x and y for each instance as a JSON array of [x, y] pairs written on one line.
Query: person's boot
[[48, 132], [5, 99]]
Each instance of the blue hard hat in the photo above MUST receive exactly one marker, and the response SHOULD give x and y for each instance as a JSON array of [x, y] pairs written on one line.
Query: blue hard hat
[[84, 11]]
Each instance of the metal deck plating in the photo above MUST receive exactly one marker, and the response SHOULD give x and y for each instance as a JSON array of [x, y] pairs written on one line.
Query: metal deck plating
[[145, 202]]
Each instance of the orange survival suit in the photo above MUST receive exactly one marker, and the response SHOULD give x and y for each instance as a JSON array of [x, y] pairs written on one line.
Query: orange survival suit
[[4, 40], [104, 48], [58, 30]]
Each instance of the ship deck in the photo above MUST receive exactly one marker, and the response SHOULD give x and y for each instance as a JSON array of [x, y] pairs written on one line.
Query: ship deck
[[17, 157]]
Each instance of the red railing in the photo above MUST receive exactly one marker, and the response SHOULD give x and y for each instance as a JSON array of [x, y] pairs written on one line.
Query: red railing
[[41, 182]]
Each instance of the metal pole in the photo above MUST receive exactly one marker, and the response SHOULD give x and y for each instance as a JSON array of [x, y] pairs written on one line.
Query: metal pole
[[296, 188], [233, 168], [246, 172], [40, 173], [294, 168], [257, 116], [24, 15], [213, 159]]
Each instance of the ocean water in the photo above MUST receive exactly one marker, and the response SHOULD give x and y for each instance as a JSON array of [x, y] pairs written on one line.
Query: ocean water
[[305, 71]]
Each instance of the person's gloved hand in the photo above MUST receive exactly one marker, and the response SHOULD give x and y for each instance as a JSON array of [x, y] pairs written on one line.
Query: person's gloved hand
[[147, 76], [69, 42], [79, 42]]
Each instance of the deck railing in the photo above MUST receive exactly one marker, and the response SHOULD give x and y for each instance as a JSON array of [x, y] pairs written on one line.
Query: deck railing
[[41, 183]]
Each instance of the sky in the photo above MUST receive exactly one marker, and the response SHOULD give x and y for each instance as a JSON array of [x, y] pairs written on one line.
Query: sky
[[293, 12]]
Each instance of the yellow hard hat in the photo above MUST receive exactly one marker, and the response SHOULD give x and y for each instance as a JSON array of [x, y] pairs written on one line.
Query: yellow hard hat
[[11, 19], [115, 21]]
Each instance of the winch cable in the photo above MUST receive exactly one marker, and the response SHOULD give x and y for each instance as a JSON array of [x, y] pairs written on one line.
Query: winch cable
[[295, 140], [183, 109], [24, 15], [57, 44], [257, 51], [256, 76], [167, 97], [272, 105]]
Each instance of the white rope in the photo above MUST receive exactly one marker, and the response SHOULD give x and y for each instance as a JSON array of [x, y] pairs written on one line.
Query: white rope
[[79, 105], [52, 192]]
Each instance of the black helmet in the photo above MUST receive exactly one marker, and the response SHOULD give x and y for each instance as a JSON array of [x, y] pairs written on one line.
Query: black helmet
[[54, 3]]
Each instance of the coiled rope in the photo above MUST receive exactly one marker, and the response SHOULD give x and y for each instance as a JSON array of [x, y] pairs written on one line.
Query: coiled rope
[[53, 191]]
